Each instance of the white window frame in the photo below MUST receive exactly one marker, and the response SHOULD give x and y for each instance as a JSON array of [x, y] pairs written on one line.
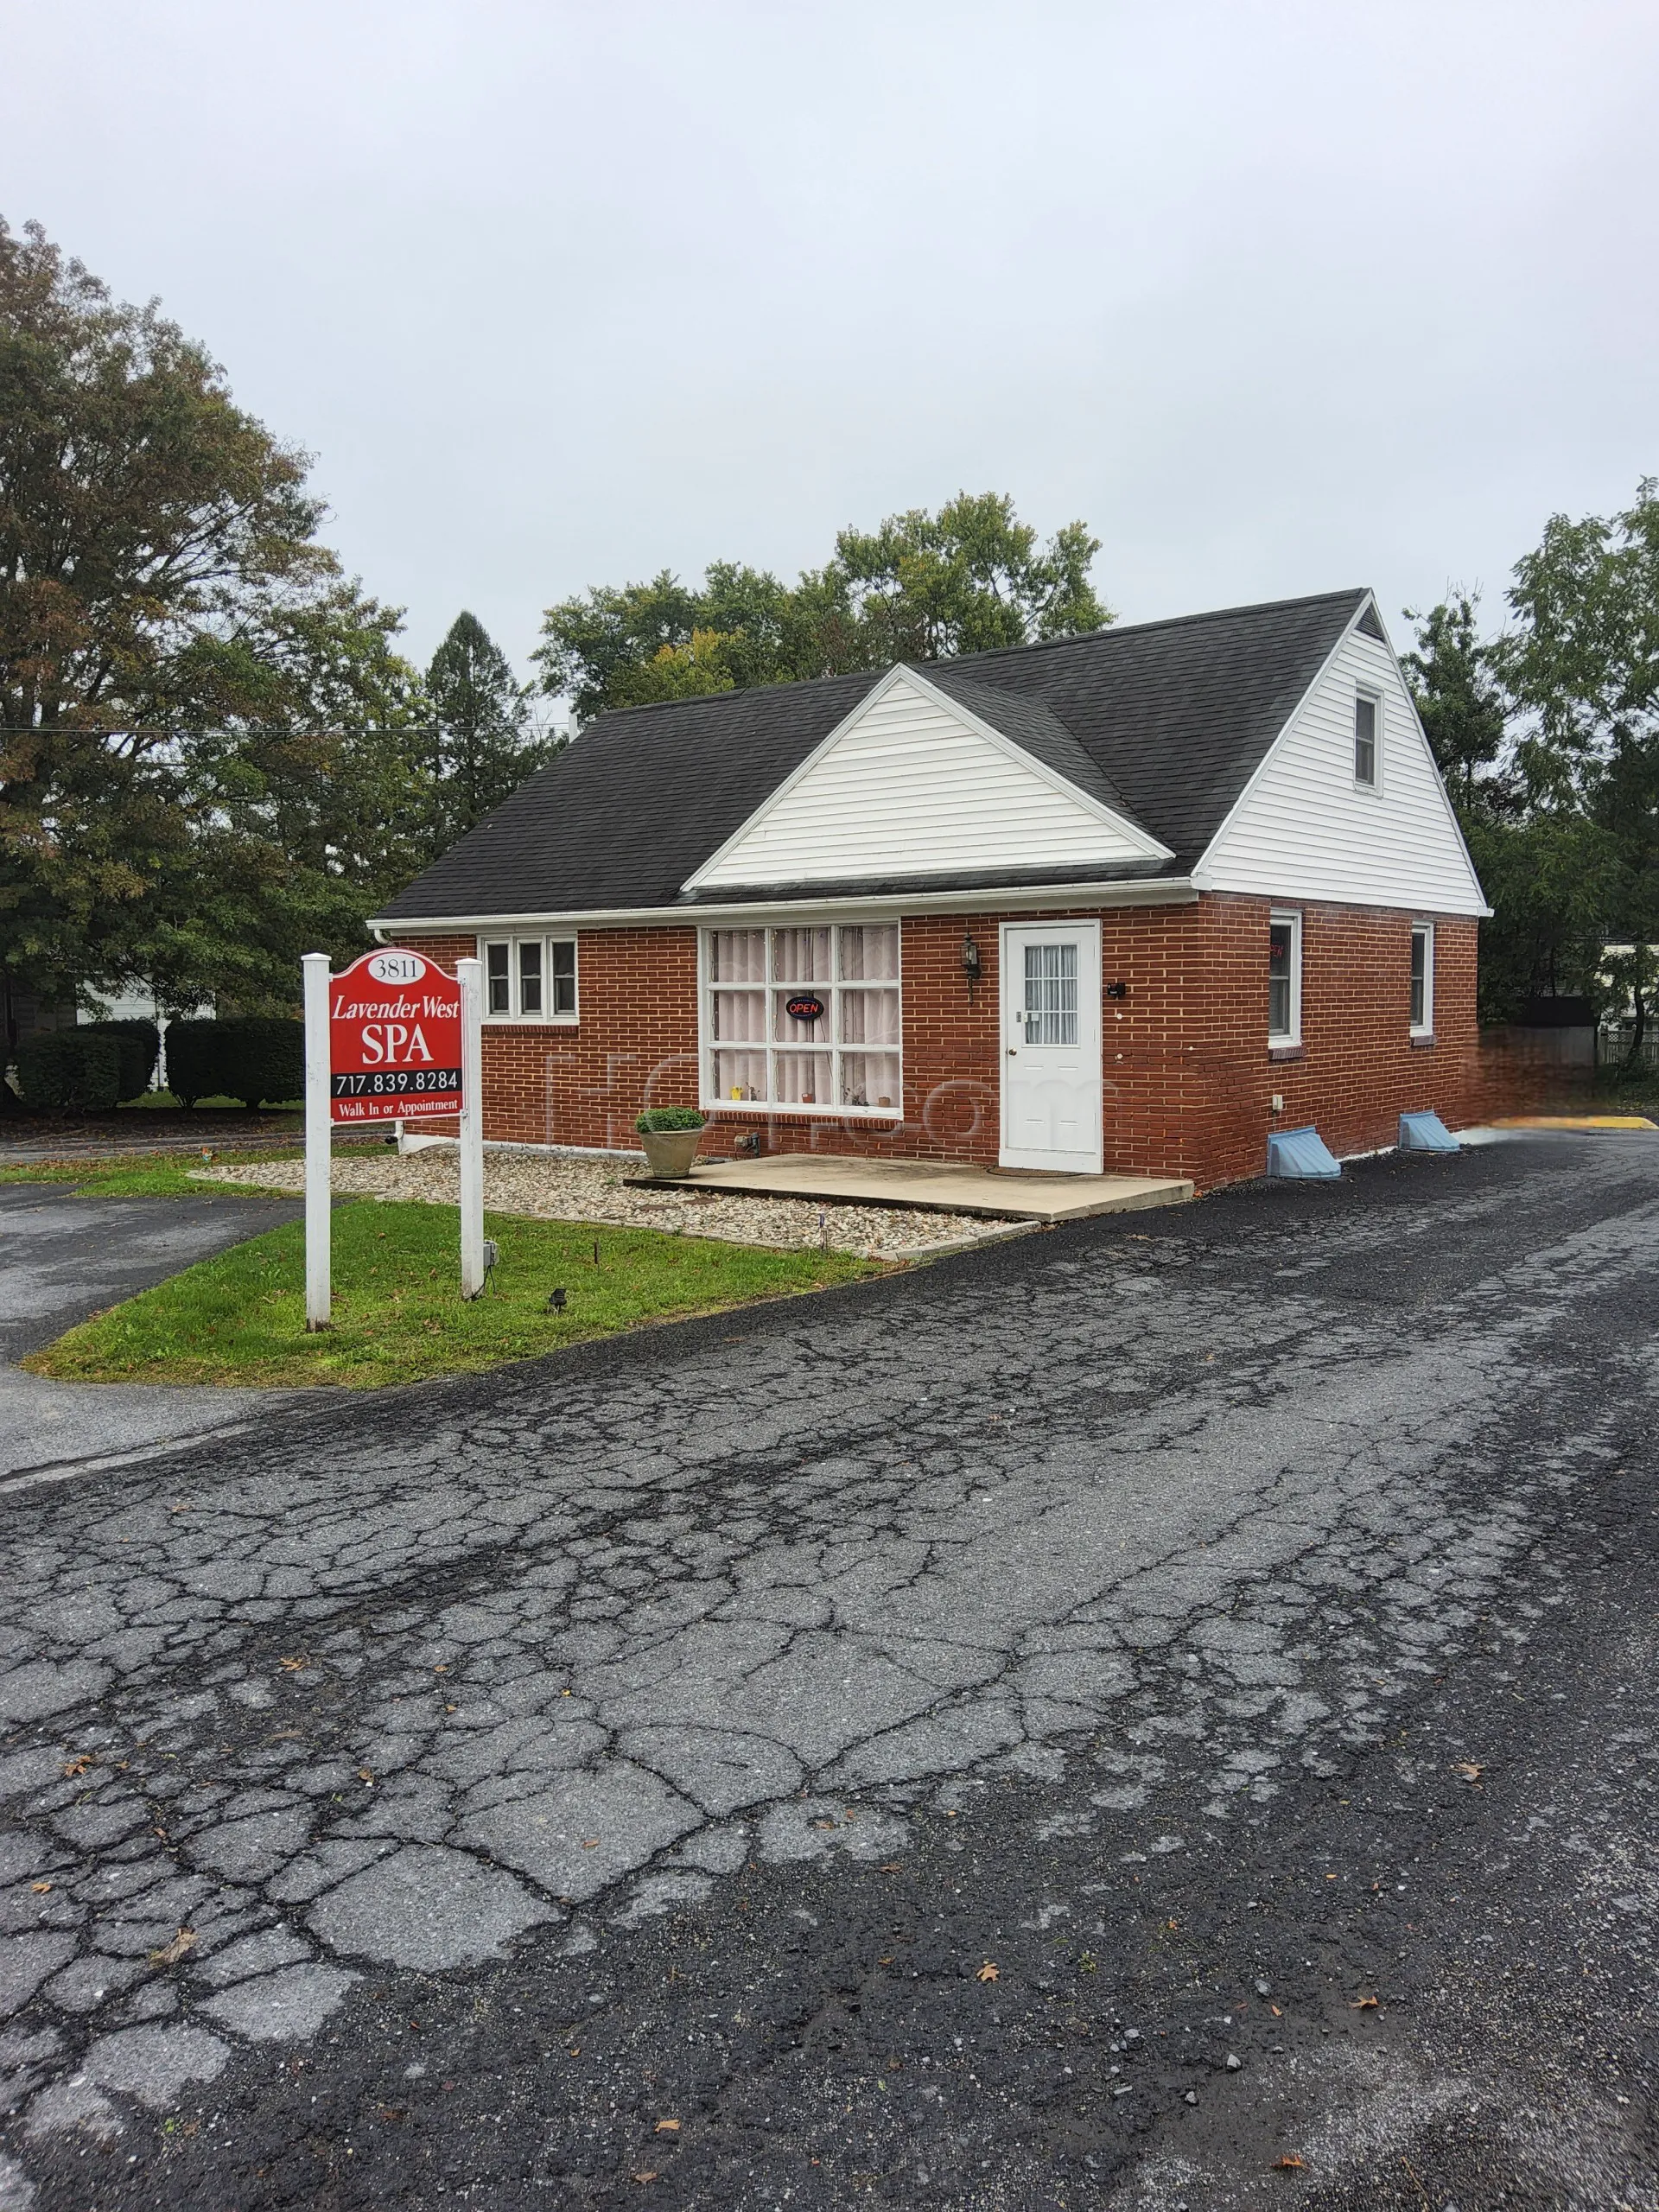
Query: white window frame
[[712, 1101], [1287, 1040], [1425, 931], [513, 1010], [1363, 692]]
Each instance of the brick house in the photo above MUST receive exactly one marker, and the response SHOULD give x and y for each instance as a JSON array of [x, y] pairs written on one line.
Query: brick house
[[1122, 902]]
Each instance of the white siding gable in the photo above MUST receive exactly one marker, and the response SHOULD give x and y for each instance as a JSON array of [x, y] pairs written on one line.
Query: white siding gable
[[1303, 828], [913, 784]]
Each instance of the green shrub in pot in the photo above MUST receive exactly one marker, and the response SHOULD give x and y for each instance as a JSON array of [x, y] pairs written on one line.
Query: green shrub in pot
[[670, 1134]]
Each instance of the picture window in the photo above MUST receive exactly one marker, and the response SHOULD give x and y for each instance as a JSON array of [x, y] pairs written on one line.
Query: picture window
[[807, 1019]]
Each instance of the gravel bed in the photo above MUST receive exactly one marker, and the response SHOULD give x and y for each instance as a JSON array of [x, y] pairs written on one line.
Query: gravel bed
[[563, 1188]]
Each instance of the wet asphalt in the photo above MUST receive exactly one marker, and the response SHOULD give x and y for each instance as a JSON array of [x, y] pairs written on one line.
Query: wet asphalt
[[1158, 1714]]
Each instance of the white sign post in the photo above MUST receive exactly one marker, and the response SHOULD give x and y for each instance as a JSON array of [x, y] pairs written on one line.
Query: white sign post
[[470, 975], [319, 1140]]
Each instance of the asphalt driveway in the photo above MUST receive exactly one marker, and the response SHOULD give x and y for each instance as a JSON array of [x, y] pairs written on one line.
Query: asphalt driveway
[[1157, 1714], [62, 1258]]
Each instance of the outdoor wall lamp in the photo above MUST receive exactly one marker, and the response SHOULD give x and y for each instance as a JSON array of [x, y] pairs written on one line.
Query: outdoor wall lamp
[[970, 962]]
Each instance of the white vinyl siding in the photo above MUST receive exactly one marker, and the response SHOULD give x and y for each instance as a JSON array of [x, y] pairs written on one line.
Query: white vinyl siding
[[910, 788], [1304, 828]]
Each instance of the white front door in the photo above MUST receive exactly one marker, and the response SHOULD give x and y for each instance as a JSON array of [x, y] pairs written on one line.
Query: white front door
[[1051, 1045]]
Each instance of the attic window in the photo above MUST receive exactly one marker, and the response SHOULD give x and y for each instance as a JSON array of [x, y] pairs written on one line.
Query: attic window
[[1368, 714]]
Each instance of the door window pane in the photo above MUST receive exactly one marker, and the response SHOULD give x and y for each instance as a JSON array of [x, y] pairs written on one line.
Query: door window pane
[[1051, 993], [562, 958], [529, 975], [498, 978]]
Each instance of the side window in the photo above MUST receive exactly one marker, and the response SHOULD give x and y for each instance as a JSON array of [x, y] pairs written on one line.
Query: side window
[[530, 979], [562, 961], [1368, 715], [1285, 979], [498, 979], [1422, 978]]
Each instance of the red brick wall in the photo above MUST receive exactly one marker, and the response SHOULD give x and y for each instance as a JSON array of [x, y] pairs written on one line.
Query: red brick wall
[[1188, 1075]]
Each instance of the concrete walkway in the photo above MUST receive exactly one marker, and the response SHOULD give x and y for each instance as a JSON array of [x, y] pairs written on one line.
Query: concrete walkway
[[940, 1187]]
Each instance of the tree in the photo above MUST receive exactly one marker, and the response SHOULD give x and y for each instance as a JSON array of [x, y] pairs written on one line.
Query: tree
[[921, 587], [483, 749], [1582, 666], [200, 720], [1460, 701], [968, 580]]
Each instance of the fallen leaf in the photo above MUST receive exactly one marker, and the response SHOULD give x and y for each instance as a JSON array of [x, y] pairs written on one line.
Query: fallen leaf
[[81, 1763], [40, 1888], [295, 1666], [170, 1953], [1364, 2005], [1172, 1925], [440, 1670], [589, 1842], [894, 1868], [1289, 2164], [668, 2127], [886, 1961], [1277, 2013], [989, 1973], [823, 1824], [392, 2112], [365, 1774], [1469, 1770], [648, 2173]]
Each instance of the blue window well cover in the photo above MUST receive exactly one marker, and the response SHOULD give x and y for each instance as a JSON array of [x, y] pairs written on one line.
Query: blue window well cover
[[1426, 1132], [1301, 1153]]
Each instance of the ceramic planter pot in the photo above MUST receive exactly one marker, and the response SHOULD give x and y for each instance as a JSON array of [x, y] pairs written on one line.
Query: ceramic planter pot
[[670, 1152]]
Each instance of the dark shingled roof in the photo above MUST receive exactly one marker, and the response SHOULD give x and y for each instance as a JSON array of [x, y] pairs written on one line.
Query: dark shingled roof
[[1166, 721]]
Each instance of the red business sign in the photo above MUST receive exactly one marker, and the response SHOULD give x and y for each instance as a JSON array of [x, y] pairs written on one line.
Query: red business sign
[[394, 1039]]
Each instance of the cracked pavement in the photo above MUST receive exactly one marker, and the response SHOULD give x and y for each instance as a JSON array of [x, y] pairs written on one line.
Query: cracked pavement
[[973, 1738]]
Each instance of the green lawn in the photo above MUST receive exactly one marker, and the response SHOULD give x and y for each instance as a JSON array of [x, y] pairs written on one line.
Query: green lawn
[[398, 1315], [157, 1175]]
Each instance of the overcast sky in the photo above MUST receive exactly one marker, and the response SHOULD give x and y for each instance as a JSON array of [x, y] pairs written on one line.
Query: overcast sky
[[1276, 297]]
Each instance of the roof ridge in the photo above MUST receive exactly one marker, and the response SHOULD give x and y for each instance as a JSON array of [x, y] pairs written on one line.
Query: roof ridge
[[1355, 593]]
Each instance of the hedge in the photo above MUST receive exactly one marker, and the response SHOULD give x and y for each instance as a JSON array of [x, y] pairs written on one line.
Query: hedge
[[138, 1043], [70, 1067], [253, 1058]]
